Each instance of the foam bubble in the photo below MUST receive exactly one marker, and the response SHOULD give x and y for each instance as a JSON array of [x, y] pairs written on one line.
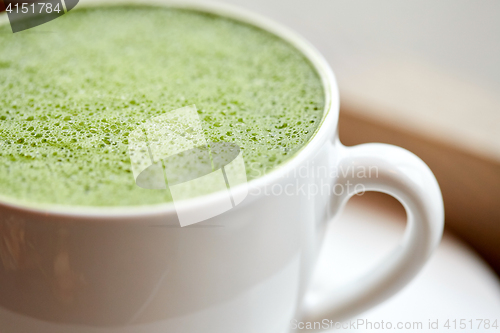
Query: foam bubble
[[71, 99]]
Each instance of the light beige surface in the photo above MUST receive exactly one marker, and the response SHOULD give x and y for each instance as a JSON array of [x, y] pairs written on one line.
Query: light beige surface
[[419, 98]]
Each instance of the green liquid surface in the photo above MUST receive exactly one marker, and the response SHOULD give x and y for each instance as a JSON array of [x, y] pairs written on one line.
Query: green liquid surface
[[72, 91]]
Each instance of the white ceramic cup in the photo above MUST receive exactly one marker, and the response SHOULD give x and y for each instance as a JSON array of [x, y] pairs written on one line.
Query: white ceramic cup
[[128, 269]]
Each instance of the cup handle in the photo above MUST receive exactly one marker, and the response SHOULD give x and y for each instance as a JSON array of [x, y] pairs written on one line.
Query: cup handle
[[406, 177]]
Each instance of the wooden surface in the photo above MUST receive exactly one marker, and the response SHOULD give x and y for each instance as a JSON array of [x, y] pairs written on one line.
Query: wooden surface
[[470, 183]]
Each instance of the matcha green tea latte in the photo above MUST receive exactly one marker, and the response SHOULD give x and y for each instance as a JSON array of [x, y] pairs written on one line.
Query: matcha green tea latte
[[73, 89]]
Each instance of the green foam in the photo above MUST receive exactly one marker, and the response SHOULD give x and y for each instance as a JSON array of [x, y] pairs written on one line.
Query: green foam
[[74, 88]]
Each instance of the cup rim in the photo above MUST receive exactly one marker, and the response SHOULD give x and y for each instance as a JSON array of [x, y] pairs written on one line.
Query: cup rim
[[324, 130]]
